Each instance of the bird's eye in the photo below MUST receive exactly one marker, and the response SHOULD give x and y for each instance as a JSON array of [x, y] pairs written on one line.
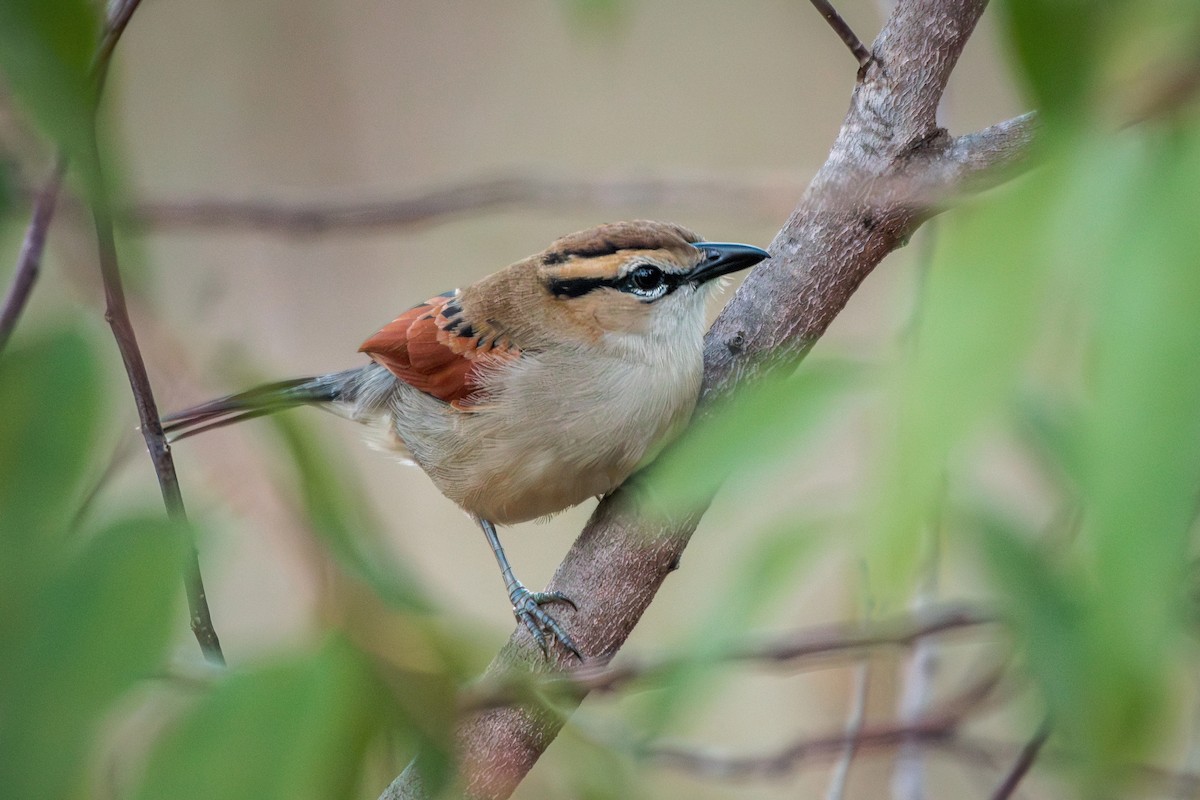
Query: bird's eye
[[645, 279]]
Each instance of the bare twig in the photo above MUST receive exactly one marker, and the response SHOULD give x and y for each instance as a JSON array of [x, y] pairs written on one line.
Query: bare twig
[[29, 262], [938, 728], [842, 228], [46, 199], [854, 727], [908, 777], [117, 314], [819, 642], [822, 644], [861, 54], [1023, 764], [937, 733], [765, 196]]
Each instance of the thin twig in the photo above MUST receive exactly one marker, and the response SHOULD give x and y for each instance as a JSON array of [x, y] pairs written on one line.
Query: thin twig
[[770, 196], [908, 777], [823, 641], [938, 728], [117, 314], [821, 644], [1024, 762], [854, 727], [842, 29], [29, 262]]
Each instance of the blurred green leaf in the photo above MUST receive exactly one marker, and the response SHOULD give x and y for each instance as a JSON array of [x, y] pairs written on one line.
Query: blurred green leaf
[[1056, 47], [769, 570], [1052, 429], [8, 186], [341, 515], [1104, 697], [1142, 429], [977, 322], [46, 51], [299, 729], [99, 625], [1102, 628], [759, 426], [50, 399], [598, 17]]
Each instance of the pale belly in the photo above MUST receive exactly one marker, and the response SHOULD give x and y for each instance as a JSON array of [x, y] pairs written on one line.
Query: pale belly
[[515, 462]]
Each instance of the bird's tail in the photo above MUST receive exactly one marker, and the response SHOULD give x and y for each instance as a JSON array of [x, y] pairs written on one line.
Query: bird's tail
[[257, 402]]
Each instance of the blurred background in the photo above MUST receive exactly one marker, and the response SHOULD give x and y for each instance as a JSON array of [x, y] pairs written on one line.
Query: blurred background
[[704, 113]]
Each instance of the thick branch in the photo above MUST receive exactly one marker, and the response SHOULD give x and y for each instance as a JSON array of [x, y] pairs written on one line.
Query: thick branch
[[858, 209]]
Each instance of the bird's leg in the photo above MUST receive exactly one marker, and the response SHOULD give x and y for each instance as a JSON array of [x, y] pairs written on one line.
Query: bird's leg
[[527, 605]]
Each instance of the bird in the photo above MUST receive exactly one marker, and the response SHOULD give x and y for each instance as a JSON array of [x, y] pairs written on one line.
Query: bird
[[533, 389]]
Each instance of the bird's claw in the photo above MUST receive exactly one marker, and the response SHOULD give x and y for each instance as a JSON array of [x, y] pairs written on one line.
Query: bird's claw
[[527, 607]]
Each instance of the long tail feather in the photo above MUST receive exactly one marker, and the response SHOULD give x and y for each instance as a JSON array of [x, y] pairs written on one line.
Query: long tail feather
[[256, 402]]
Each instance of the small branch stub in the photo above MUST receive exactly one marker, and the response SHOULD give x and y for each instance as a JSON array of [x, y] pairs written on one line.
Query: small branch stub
[[859, 50]]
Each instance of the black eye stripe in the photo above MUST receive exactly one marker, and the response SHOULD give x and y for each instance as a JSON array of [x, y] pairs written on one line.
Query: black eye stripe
[[577, 287]]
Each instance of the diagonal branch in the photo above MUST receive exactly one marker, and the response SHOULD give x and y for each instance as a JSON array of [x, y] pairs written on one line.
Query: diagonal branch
[[29, 262], [858, 209], [1023, 764], [836, 21]]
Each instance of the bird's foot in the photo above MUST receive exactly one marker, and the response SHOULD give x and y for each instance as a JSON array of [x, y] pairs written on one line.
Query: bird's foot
[[527, 607]]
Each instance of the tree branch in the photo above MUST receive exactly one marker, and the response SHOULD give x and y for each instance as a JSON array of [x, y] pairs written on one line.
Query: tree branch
[[29, 262], [822, 643], [767, 196], [859, 50], [117, 314], [850, 218], [1023, 764]]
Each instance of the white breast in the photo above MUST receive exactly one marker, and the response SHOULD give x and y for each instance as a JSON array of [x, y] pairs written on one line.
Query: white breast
[[561, 425]]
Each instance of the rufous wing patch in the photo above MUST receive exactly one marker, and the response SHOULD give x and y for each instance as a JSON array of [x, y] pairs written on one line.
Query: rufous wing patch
[[434, 348]]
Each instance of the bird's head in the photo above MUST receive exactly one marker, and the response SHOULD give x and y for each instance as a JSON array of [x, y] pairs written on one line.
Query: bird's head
[[638, 279]]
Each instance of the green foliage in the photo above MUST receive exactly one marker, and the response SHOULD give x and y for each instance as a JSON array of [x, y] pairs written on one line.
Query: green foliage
[[1058, 314], [299, 729], [749, 434], [341, 515], [81, 621], [1068, 305], [46, 51]]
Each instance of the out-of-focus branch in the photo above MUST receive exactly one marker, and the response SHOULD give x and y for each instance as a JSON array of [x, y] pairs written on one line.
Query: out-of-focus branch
[[857, 209], [836, 21], [939, 728], [29, 262], [909, 774], [767, 196], [854, 726], [1023, 764], [823, 644]]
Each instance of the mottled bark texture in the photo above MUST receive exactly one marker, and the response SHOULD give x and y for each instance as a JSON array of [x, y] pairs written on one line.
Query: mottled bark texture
[[890, 168]]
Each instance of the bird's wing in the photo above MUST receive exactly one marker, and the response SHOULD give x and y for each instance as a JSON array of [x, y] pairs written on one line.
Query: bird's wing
[[432, 347]]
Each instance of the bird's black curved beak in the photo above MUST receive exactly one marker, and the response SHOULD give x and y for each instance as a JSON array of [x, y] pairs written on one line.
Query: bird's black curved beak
[[722, 258]]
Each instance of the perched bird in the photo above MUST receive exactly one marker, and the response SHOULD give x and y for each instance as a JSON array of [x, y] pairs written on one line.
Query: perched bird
[[534, 388]]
